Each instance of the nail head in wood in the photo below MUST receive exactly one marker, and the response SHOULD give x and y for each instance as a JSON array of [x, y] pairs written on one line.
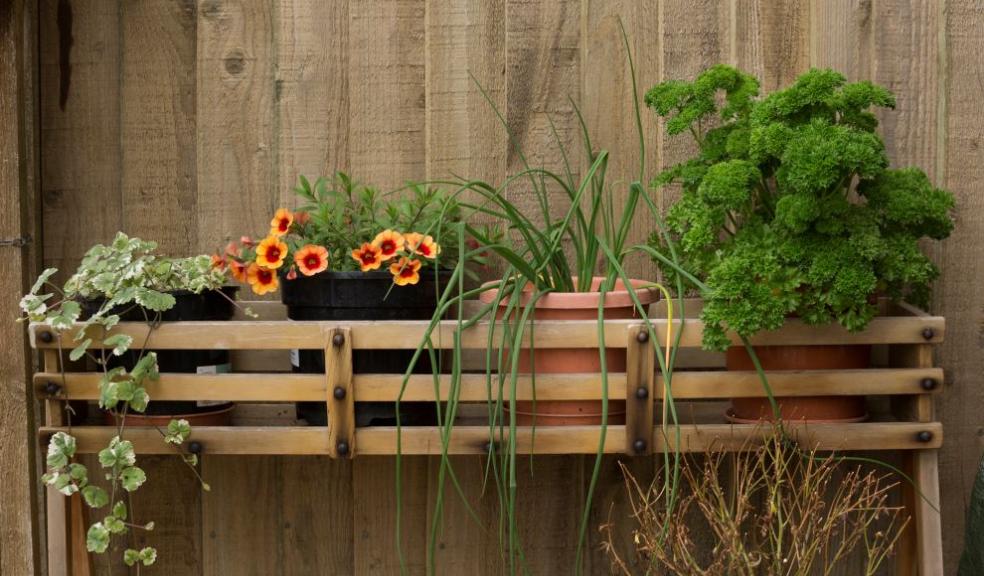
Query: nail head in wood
[[342, 448], [195, 447], [642, 337], [45, 336], [488, 447], [924, 436], [338, 393], [928, 333], [52, 389], [639, 445], [337, 340], [928, 383], [642, 393]]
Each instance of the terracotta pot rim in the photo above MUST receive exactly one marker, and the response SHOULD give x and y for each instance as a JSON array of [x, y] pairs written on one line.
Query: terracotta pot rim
[[190, 417], [733, 418], [645, 292], [568, 414]]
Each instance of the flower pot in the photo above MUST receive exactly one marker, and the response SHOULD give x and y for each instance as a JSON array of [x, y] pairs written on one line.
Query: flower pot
[[575, 306], [800, 408], [188, 307], [364, 296]]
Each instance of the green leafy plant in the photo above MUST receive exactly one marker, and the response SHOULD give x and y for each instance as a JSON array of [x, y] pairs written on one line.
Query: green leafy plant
[[540, 253], [789, 206], [112, 280]]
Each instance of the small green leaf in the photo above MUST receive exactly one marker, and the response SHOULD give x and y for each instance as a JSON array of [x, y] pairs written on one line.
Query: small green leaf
[[118, 454], [148, 556], [64, 484], [69, 314], [97, 539], [61, 448], [79, 473], [95, 496], [114, 525], [79, 350], [154, 300], [132, 478], [119, 510], [42, 278], [120, 343], [131, 557], [149, 526], [140, 400], [177, 432]]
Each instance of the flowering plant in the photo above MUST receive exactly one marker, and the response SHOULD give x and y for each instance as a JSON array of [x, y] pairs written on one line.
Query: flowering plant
[[341, 226]]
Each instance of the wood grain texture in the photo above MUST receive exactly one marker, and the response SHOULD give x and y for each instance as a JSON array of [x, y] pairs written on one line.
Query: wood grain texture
[[19, 551], [959, 292], [387, 99], [80, 132], [311, 92], [317, 510], [236, 165], [770, 39], [158, 122], [841, 36]]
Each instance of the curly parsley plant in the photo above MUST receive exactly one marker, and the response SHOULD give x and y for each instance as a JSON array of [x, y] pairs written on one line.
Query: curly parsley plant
[[789, 207]]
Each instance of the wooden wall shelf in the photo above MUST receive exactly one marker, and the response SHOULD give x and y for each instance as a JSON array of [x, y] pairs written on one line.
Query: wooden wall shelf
[[903, 337]]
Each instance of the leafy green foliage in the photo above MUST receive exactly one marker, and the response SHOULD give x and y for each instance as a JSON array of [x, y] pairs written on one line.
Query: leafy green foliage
[[123, 275], [789, 206]]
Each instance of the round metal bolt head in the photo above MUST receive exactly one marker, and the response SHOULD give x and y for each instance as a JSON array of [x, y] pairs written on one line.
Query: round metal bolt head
[[45, 336], [642, 393], [928, 383], [52, 388], [928, 333], [338, 393], [342, 448], [338, 340], [488, 447], [639, 445], [195, 447], [642, 337], [924, 436]]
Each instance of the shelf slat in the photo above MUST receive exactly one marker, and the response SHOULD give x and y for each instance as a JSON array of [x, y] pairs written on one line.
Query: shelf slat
[[408, 334], [287, 387], [245, 440]]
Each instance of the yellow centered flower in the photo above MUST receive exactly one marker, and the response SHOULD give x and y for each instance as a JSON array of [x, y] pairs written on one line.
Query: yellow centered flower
[[311, 259], [281, 222], [422, 245], [262, 280], [368, 256]]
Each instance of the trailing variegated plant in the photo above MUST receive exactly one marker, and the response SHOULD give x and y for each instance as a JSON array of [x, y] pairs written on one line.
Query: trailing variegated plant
[[123, 276]]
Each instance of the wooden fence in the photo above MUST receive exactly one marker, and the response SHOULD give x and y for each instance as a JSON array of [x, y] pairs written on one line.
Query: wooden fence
[[188, 121]]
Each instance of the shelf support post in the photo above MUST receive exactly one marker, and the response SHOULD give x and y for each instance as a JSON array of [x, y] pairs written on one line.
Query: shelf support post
[[639, 378], [341, 396]]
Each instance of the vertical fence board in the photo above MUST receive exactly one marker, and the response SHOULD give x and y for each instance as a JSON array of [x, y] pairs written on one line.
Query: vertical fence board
[[236, 163], [375, 515], [771, 40], [18, 538], [959, 293], [80, 145], [316, 500], [386, 92], [312, 92], [841, 37]]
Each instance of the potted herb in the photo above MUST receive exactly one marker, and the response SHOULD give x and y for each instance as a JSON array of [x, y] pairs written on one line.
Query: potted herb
[[122, 281], [789, 209], [351, 253]]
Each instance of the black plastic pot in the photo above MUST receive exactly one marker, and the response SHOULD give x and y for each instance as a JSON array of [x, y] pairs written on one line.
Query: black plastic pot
[[364, 296], [209, 305]]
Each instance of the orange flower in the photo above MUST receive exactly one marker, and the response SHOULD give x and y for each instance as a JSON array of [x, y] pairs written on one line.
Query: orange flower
[[422, 245], [281, 222], [368, 257], [292, 273], [311, 259], [301, 218], [238, 270], [389, 243], [405, 271], [218, 262], [271, 252], [232, 249], [262, 280]]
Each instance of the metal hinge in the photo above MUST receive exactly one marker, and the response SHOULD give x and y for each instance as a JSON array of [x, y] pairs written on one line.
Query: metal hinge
[[18, 242]]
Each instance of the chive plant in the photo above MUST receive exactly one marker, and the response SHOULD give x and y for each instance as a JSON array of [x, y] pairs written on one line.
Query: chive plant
[[535, 263]]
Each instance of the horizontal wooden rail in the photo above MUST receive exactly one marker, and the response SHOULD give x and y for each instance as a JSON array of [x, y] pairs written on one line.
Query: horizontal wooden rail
[[378, 441], [287, 387], [281, 335]]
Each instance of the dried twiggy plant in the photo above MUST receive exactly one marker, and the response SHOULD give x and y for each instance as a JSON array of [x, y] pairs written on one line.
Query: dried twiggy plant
[[779, 511]]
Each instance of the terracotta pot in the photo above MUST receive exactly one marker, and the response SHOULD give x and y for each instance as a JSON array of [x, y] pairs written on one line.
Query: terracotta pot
[[575, 306], [220, 416], [801, 408]]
